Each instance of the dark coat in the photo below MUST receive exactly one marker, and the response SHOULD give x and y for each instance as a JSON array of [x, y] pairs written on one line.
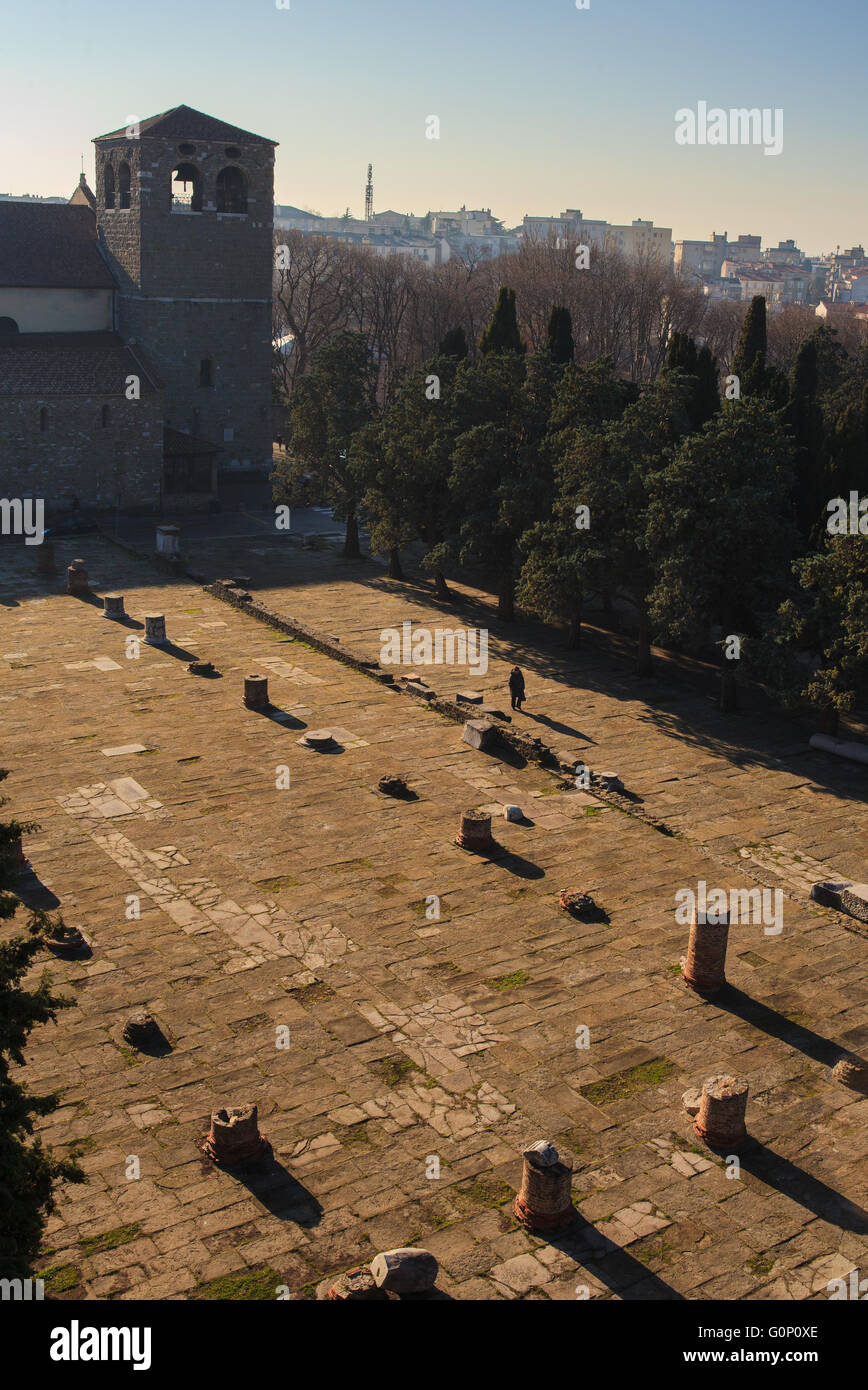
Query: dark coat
[[516, 682]]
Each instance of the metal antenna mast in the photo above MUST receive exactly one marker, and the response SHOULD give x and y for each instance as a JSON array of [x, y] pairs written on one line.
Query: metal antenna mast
[[369, 195]]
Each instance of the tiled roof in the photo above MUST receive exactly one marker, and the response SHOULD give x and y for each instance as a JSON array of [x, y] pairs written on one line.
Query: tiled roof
[[183, 123], [52, 245], [70, 364], [83, 194]]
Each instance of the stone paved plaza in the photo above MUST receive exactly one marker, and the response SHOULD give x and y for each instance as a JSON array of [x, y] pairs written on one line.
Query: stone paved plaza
[[418, 1043]]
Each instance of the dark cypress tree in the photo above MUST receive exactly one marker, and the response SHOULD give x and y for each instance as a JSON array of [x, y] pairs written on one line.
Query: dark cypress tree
[[560, 336], [502, 333], [708, 386], [681, 354], [703, 400], [805, 420], [749, 363], [454, 344]]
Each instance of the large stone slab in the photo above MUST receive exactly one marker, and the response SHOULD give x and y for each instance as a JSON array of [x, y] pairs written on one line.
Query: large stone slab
[[848, 897], [479, 733]]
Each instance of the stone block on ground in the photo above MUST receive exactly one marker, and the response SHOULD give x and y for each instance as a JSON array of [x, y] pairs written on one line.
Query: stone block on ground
[[406, 1270], [479, 733], [841, 747], [843, 894]]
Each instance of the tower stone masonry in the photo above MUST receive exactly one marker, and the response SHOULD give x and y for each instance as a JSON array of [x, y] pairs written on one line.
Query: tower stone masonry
[[185, 207]]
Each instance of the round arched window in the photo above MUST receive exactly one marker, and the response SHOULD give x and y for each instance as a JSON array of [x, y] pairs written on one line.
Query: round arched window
[[123, 185], [8, 326], [231, 190]]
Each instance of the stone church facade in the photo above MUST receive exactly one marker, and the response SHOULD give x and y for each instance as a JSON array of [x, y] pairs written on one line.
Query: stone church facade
[[135, 322]]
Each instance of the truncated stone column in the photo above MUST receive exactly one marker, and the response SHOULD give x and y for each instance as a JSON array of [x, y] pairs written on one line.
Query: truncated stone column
[[704, 966], [256, 692], [407, 1270], [113, 606], [45, 558], [474, 831], [234, 1136], [544, 1201], [720, 1121], [76, 578], [168, 541], [155, 630]]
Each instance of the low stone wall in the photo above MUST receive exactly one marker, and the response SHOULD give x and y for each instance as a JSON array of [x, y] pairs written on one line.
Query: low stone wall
[[533, 749]]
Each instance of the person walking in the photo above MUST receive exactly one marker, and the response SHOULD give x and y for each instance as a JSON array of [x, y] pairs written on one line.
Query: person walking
[[516, 687]]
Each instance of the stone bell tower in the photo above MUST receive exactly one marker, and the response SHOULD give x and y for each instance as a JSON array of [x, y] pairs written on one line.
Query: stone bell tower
[[185, 210]]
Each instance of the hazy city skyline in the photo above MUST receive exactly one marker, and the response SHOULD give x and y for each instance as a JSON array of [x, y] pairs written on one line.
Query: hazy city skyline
[[541, 107]]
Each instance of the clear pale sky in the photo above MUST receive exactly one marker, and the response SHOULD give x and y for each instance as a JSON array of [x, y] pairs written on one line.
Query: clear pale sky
[[542, 106]]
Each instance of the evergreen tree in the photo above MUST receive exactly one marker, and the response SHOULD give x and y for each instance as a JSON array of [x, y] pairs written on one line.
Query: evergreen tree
[[499, 483], [707, 394], [560, 566], [560, 336], [329, 407], [703, 400], [29, 1172], [681, 354], [590, 396], [502, 333], [818, 651], [749, 362], [454, 344], [719, 532], [805, 420], [608, 469], [404, 462]]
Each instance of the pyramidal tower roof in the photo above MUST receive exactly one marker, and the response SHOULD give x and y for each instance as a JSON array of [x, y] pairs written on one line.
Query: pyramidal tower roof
[[184, 123]]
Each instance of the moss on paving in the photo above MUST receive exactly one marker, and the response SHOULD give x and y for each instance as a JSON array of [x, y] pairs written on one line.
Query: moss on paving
[[60, 1278], [514, 980], [623, 1084], [760, 1264], [274, 885], [394, 1070], [110, 1240], [487, 1191], [253, 1285]]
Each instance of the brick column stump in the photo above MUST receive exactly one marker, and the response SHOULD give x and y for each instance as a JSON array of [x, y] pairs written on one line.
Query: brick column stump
[[720, 1121], [474, 832], [76, 578], [544, 1201], [234, 1136], [256, 692], [703, 969]]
